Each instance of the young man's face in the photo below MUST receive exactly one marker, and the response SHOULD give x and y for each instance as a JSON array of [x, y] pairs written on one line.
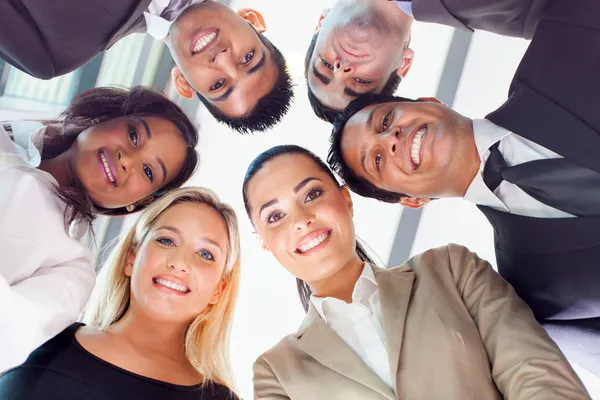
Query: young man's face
[[424, 150], [360, 44], [220, 55]]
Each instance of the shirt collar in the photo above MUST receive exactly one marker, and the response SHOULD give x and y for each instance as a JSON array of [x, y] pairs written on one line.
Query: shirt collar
[[365, 286], [486, 133], [157, 26], [405, 6]]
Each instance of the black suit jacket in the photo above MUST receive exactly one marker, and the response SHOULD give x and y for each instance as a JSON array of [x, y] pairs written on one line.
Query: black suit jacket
[[48, 38], [554, 100]]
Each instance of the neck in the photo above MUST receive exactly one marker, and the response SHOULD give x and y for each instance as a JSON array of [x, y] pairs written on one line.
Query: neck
[[59, 168], [341, 284], [467, 164], [150, 336]]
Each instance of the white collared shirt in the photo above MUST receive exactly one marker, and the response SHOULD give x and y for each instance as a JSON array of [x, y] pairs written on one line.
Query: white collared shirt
[[157, 26], [359, 323], [515, 149], [405, 6], [46, 275]]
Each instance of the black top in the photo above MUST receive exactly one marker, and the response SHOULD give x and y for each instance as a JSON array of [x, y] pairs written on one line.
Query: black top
[[62, 369]]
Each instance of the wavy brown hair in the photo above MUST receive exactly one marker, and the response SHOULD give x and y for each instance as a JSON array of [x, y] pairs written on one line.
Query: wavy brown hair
[[103, 104]]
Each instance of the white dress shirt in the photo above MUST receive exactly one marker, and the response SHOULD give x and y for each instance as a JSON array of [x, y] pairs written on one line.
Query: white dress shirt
[[405, 6], [157, 26], [360, 323], [46, 276], [508, 197]]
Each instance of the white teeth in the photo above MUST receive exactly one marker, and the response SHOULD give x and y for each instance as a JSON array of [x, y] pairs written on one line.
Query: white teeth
[[171, 285], [416, 146], [313, 243], [107, 168], [204, 41]]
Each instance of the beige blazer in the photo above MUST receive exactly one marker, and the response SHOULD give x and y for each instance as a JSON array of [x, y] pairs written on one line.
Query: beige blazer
[[454, 329]]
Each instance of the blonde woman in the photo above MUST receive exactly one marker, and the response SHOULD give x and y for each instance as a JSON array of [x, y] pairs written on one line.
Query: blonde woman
[[158, 322]]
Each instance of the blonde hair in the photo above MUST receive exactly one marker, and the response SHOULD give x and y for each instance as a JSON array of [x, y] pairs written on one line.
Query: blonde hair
[[207, 337]]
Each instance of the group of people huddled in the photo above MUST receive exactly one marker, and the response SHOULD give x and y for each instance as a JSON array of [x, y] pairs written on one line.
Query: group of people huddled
[[155, 322]]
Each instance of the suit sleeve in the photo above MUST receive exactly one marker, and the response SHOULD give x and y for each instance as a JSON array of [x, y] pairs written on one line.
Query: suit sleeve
[[21, 44], [526, 363], [266, 384]]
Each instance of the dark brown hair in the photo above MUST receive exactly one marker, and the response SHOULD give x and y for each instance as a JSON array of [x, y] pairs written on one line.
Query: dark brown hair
[[257, 164], [104, 104]]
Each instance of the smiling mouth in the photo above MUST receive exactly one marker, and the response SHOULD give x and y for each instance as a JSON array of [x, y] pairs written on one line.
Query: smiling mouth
[[106, 167], [415, 149], [171, 285], [307, 246], [204, 41]]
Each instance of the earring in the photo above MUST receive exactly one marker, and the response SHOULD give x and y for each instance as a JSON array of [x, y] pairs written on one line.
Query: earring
[[130, 207]]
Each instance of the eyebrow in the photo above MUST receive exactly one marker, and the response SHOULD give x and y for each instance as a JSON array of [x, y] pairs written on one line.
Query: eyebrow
[[325, 80], [252, 70], [297, 188], [146, 127], [163, 167], [353, 93], [363, 148]]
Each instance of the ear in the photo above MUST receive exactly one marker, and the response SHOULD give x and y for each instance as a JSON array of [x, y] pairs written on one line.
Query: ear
[[181, 84], [261, 241], [414, 202], [254, 18], [407, 60], [129, 260], [431, 100], [348, 198], [321, 18], [221, 286]]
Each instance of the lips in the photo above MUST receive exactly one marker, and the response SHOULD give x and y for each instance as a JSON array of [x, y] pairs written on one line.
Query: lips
[[107, 167], [203, 40], [171, 284], [314, 241]]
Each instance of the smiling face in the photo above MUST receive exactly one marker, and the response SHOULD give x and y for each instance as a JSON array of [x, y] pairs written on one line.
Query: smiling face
[[175, 273], [124, 160], [220, 55], [360, 44], [424, 150], [303, 217]]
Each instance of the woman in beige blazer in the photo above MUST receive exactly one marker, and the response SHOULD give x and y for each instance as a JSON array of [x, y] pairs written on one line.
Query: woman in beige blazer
[[444, 325]]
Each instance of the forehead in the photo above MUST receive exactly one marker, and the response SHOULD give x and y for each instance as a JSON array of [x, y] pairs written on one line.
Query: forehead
[[280, 176], [355, 137], [194, 219]]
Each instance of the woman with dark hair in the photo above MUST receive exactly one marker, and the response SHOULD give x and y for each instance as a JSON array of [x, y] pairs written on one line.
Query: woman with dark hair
[[444, 325], [111, 152]]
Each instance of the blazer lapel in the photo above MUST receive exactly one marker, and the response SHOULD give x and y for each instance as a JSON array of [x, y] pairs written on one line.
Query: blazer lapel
[[395, 288], [319, 341]]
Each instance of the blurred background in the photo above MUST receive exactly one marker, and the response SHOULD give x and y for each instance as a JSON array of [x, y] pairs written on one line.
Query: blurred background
[[470, 72]]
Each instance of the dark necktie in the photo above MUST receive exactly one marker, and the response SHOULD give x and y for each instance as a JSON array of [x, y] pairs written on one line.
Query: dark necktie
[[556, 182], [174, 9]]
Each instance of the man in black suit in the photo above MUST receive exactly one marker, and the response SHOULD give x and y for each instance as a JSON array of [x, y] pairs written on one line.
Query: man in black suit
[[362, 46], [532, 167], [221, 56]]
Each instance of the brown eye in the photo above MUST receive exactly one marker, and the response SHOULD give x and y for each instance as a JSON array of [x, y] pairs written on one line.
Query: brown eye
[[218, 84], [248, 57], [313, 194], [133, 135], [326, 64], [377, 161], [386, 122], [274, 217]]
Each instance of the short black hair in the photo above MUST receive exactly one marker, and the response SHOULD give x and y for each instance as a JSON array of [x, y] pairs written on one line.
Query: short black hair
[[322, 111], [271, 108], [357, 184]]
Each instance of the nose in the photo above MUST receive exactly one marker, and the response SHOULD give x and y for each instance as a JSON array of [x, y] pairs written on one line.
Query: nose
[[127, 162], [342, 67], [177, 262], [303, 220], [223, 59], [390, 138]]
